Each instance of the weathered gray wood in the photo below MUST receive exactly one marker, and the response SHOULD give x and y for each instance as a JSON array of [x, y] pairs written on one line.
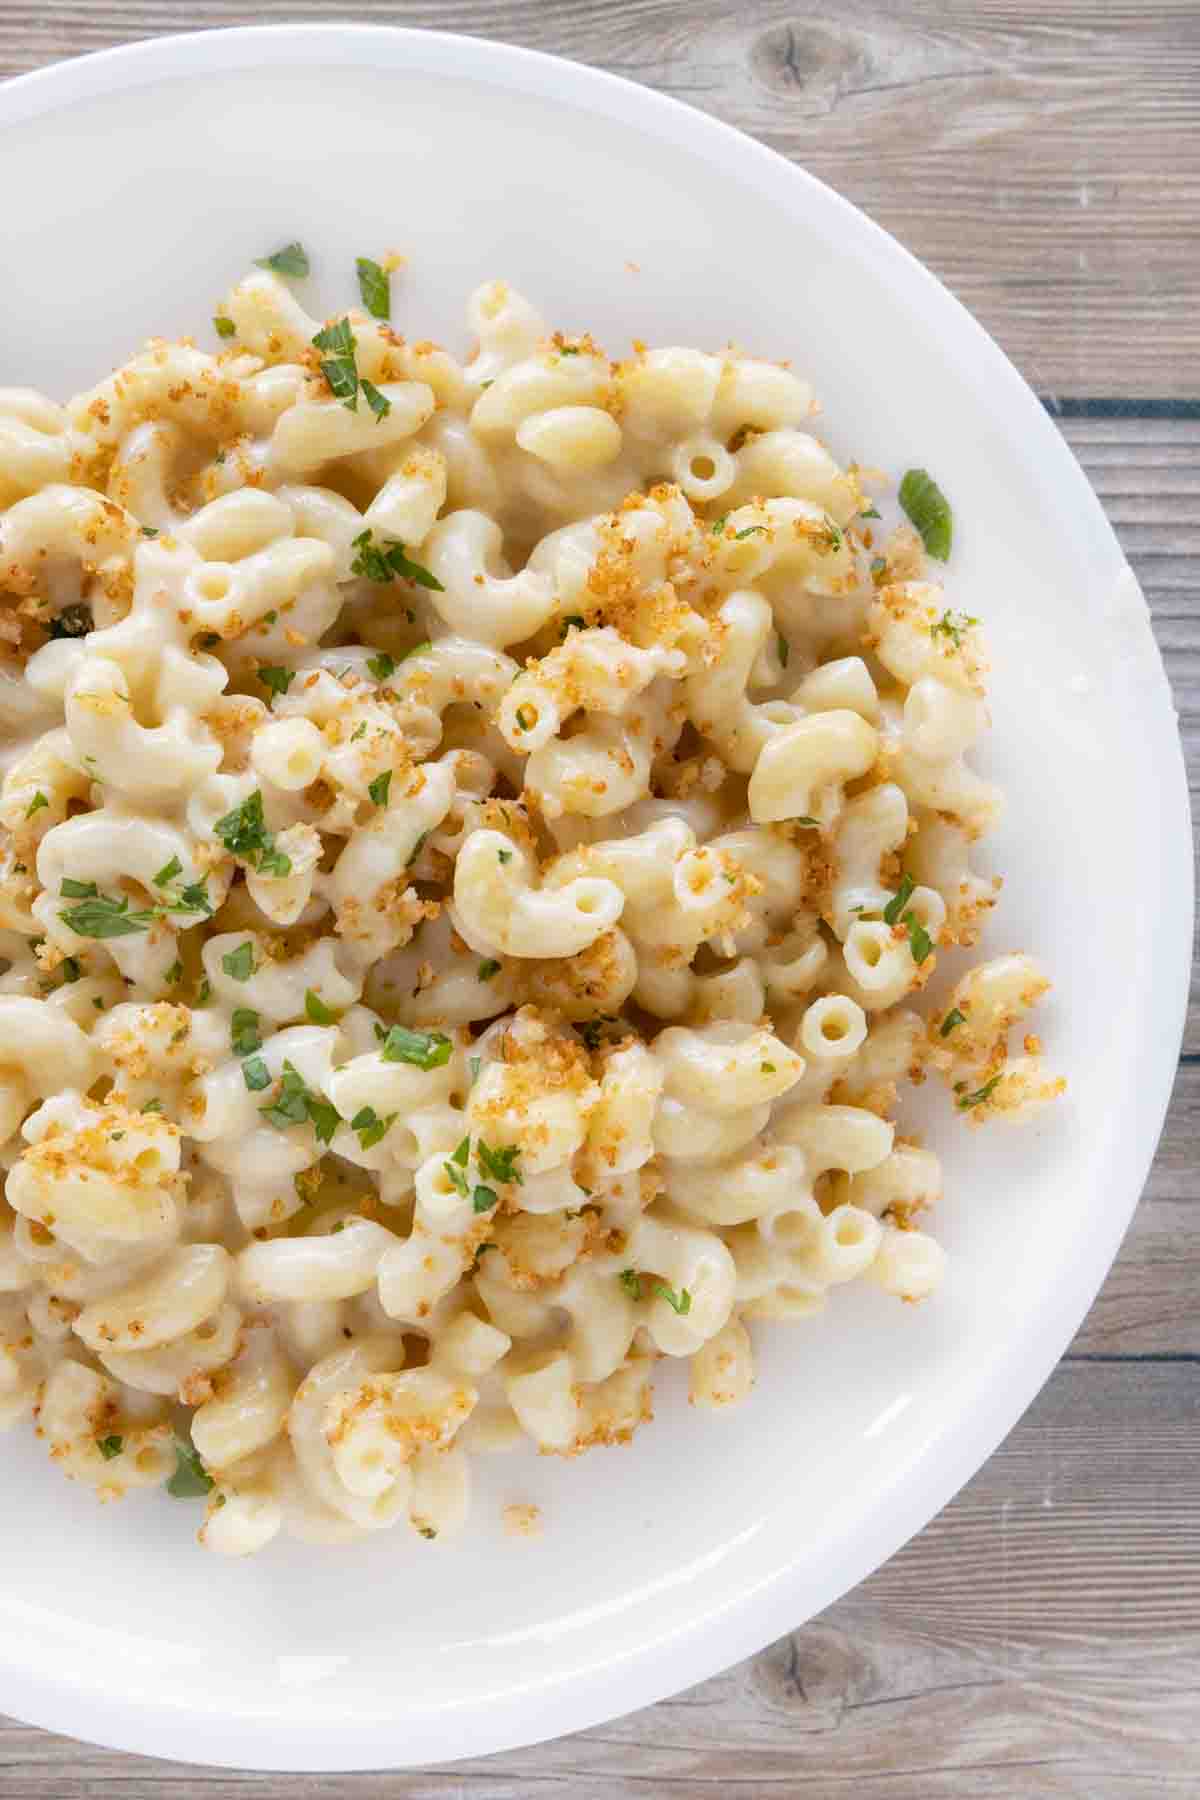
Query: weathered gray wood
[[1044, 159], [1042, 1637]]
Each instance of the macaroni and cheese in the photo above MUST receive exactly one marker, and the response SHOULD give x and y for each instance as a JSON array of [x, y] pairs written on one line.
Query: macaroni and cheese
[[475, 836]]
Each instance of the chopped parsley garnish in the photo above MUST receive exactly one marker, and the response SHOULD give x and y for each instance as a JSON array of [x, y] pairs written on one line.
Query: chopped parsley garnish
[[869, 512], [953, 1017], [374, 284], [192, 898], [718, 525], [424, 1049], [483, 1199], [680, 1302], [832, 534], [316, 1009], [370, 1127], [291, 260], [153, 1106], [500, 1165], [575, 619], [919, 940], [150, 531], [296, 1104], [358, 732], [78, 890], [568, 350], [455, 1168], [277, 680], [526, 718], [966, 1101], [244, 1035], [381, 666], [223, 327], [244, 833], [378, 789], [929, 510], [256, 1074], [899, 900], [100, 916], [378, 402], [488, 968], [168, 872], [389, 562], [504, 856], [70, 969], [174, 974], [239, 963], [631, 1281], [338, 367], [952, 625], [72, 622], [878, 566], [204, 991], [110, 1446], [747, 531], [768, 1068], [783, 648], [191, 1480], [813, 824], [36, 804]]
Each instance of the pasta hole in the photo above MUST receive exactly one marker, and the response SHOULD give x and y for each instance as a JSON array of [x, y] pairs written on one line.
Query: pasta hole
[[207, 1330], [833, 1028], [871, 953], [213, 583], [703, 468], [148, 1162], [849, 1232], [416, 1350]]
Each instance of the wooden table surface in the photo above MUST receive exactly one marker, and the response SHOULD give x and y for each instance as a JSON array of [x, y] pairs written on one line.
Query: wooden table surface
[[1042, 1636]]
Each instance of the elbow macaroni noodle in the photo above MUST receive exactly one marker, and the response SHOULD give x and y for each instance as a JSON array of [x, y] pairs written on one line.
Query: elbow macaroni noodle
[[468, 858]]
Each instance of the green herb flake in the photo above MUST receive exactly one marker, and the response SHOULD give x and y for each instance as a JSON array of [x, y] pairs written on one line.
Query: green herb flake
[[488, 968], [277, 680], [239, 964], [224, 328], [423, 1049], [747, 531], [929, 510], [243, 832], [191, 1480], [952, 625], [966, 1101], [378, 402], [338, 368], [174, 975], [474, 1063], [256, 1074], [631, 1281], [784, 649], [500, 1165], [36, 804], [100, 916], [953, 1017], [244, 1035], [483, 1199], [358, 732], [388, 562], [899, 901], [168, 872], [153, 1106], [291, 260], [504, 856], [78, 890], [382, 666], [296, 1104], [869, 512], [374, 284], [316, 1009], [70, 969], [370, 1127], [768, 1068], [110, 1446], [919, 940], [378, 789], [526, 718], [680, 1302], [575, 619], [456, 1177]]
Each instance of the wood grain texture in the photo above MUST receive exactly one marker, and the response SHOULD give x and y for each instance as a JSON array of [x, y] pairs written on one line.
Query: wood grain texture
[[1042, 1637], [1044, 159]]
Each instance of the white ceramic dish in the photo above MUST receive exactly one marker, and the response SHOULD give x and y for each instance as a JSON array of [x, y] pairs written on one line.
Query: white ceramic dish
[[137, 184]]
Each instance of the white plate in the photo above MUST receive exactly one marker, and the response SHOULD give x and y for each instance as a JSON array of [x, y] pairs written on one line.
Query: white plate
[[137, 184]]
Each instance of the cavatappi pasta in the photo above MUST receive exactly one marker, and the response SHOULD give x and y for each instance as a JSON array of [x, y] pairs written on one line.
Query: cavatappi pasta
[[474, 836]]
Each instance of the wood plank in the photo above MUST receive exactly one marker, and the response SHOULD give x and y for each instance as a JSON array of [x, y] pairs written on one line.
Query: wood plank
[[1041, 1638], [1045, 161]]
